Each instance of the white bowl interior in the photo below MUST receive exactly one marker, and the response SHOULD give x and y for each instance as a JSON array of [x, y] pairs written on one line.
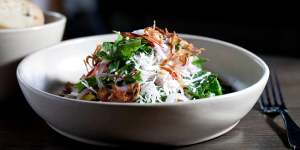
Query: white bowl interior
[[50, 68], [52, 17]]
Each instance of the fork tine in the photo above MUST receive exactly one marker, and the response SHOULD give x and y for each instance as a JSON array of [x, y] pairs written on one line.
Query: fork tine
[[263, 100], [277, 89], [272, 95], [269, 96], [274, 90]]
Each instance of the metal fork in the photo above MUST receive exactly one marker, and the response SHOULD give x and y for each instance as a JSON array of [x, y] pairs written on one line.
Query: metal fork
[[271, 102]]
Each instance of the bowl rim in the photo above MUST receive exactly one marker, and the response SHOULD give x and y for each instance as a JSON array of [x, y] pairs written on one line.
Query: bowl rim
[[61, 18], [255, 58]]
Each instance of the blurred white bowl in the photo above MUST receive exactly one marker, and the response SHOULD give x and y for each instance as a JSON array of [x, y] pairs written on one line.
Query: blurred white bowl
[[17, 43], [165, 123]]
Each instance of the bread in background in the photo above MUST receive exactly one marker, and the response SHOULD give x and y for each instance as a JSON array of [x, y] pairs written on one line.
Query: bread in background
[[19, 14]]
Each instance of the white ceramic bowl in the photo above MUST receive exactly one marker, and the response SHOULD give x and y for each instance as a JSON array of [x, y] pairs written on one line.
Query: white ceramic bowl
[[16, 43], [166, 123]]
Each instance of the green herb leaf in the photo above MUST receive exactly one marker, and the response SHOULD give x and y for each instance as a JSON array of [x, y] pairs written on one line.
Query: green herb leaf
[[108, 46], [106, 80], [104, 55], [205, 87], [215, 86], [177, 47], [133, 78], [123, 49], [119, 37], [92, 82], [128, 48], [79, 86], [113, 66], [145, 48], [126, 68], [199, 61], [118, 54]]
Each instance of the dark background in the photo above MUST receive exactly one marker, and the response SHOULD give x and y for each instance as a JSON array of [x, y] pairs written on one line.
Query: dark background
[[269, 28]]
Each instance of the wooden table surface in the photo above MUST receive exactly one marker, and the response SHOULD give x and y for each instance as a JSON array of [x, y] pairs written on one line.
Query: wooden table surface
[[21, 128]]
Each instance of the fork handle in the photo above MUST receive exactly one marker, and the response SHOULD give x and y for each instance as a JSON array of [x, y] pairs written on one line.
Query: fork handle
[[291, 128]]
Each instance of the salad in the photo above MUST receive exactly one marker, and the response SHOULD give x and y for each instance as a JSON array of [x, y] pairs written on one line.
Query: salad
[[149, 65]]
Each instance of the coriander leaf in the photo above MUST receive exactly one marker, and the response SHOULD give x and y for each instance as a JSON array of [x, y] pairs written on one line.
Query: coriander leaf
[[126, 68], [104, 55], [80, 87], [128, 48], [123, 49], [92, 82], [199, 61], [106, 80], [133, 78], [113, 66], [108, 46], [145, 49], [107, 51]]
